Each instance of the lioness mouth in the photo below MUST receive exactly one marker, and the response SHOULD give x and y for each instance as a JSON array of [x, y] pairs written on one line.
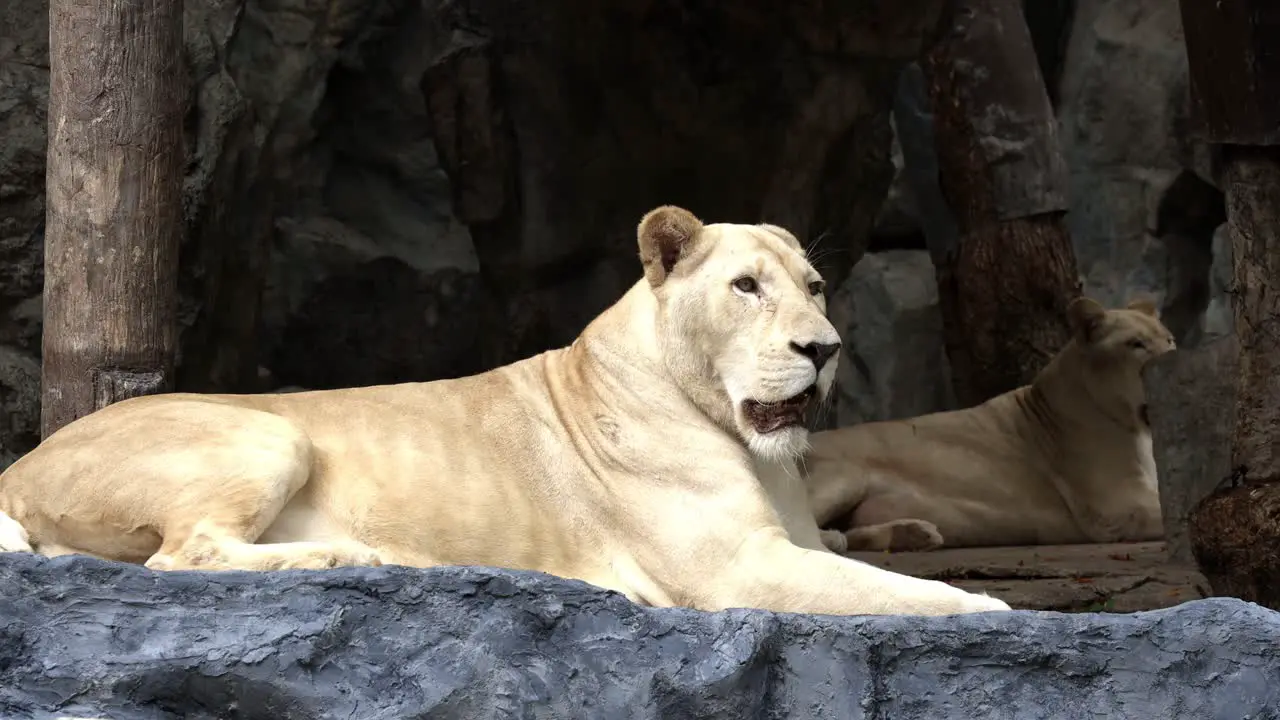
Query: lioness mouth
[[768, 417]]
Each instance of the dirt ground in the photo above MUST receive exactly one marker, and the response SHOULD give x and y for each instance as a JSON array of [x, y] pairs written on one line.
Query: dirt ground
[[1123, 577]]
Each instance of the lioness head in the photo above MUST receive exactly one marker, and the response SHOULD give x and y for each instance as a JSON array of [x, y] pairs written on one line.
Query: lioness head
[[743, 319], [1117, 344]]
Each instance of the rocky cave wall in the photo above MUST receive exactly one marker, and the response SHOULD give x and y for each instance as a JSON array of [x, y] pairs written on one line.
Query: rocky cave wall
[[425, 188]]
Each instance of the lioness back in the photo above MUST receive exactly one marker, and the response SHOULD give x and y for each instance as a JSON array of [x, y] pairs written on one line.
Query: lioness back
[[365, 486]]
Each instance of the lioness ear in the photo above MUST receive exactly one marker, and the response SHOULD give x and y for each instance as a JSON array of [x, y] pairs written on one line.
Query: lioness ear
[[1085, 314], [1144, 306], [783, 233], [665, 235]]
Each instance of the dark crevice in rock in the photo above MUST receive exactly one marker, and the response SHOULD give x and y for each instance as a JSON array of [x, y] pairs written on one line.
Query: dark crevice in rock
[[1050, 24], [1189, 212], [402, 324], [904, 241]]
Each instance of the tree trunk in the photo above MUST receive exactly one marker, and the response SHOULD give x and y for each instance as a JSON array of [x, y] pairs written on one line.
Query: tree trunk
[[1235, 531], [114, 203], [1005, 284], [1235, 102]]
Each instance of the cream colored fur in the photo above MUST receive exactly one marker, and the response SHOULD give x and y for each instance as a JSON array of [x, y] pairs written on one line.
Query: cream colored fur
[[1066, 459], [624, 460]]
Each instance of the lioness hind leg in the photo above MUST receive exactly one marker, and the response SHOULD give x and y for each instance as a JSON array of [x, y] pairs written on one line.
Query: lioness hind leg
[[211, 547], [213, 523], [896, 535]]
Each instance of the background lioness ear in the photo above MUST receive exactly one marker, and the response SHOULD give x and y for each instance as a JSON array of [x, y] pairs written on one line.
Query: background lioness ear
[[1145, 306], [1085, 315], [666, 234]]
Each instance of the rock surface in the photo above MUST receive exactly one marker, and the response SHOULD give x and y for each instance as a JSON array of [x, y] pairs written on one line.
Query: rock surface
[[1218, 321], [81, 637], [1114, 577], [1191, 403], [893, 363], [1124, 118]]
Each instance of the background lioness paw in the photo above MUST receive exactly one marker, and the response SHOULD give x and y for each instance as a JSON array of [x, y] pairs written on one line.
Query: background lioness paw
[[913, 535]]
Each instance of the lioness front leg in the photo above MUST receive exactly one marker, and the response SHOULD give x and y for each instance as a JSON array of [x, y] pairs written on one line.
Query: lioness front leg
[[768, 571]]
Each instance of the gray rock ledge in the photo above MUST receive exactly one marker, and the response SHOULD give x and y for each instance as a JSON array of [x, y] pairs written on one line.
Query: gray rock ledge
[[84, 638]]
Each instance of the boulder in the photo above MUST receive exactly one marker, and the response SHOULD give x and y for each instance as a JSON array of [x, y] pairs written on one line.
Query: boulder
[[893, 363], [85, 638], [1141, 216], [19, 404], [1191, 404], [1218, 320]]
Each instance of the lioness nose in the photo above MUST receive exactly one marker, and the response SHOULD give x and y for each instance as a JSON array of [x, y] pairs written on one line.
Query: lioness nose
[[818, 352]]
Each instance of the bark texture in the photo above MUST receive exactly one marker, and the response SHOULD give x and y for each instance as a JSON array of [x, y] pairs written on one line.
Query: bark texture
[[1234, 70], [1235, 532], [114, 208], [1235, 76], [1005, 285]]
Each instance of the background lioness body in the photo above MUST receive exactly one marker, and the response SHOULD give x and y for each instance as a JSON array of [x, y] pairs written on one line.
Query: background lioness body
[[1066, 459], [654, 456]]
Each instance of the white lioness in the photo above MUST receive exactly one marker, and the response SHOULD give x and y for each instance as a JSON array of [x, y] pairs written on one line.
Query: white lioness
[[654, 456], [1066, 459]]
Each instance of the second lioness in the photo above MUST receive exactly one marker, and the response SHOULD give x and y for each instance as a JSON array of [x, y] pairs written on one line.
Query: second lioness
[[1066, 459]]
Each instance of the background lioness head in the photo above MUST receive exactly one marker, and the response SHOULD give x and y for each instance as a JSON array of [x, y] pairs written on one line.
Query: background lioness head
[[1117, 344], [742, 317]]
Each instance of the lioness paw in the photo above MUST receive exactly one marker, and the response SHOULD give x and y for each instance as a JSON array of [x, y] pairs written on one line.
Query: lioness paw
[[962, 602], [333, 557], [913, 535], [161, 562], [982, 602], [934, 597], [835, 541], [13, 537], [895, 536], [365, 558]]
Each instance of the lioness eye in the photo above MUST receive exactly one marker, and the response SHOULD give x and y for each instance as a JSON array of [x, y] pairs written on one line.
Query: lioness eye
[[816, 287], [1136, 344], [746, 284]]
